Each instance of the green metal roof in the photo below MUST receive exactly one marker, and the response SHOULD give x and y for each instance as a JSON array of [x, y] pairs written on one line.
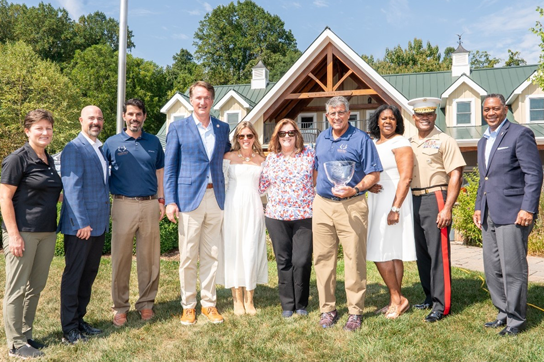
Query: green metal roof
[[502, 80]]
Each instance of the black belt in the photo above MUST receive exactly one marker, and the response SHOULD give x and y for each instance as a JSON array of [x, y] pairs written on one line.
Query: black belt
[[334, 198], [137, 198]]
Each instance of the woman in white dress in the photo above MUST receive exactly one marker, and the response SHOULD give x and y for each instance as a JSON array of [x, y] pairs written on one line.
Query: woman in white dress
[[390, 219], [245, 262]]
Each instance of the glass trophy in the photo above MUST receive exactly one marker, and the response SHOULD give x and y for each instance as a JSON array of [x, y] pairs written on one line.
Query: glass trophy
[[339, 172]]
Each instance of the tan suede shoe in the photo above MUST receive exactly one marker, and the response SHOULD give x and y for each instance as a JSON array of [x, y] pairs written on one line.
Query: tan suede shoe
[[212, 314], [189, 317]]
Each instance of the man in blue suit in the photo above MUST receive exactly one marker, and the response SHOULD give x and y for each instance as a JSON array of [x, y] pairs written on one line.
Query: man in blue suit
[[194, 188], [84, 221], [506, 207]]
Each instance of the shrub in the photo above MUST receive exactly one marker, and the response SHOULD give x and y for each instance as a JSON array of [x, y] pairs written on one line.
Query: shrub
[[464, 209]]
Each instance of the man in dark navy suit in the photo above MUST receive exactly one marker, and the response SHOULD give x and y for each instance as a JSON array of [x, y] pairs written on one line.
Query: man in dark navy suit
[[506, 208], [84, 221]]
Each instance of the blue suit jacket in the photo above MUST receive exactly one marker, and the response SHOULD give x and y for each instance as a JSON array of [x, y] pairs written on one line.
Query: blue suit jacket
[[513, 178], [186, 164], [86, 196]]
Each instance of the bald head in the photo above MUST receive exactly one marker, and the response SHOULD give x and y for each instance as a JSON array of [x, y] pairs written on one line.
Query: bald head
[[91, 121]]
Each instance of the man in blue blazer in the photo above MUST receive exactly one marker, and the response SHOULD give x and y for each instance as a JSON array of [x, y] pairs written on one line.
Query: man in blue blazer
[[194, 188], [506, 207], [84, 221]]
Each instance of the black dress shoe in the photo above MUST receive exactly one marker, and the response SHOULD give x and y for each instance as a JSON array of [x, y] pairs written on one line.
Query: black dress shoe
[[423, 306], [74, 336], [35, 344], [495, 324], [89, 330], [510, 331], [434, 317]]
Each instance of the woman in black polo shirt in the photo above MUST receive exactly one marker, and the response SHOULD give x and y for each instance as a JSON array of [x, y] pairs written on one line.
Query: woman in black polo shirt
[[29, 191]]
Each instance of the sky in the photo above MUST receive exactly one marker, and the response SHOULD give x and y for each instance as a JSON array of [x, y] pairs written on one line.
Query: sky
[[162, 27]]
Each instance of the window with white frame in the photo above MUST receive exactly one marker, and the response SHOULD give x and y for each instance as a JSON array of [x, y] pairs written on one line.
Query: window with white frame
[[232, 118], [463, 110], [306, 120], [535, 105]]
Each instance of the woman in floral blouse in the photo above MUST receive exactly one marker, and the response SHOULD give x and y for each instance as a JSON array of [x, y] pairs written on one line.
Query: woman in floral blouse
[[288, 178]]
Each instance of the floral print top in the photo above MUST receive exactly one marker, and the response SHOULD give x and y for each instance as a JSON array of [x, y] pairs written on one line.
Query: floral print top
[[289, 183]]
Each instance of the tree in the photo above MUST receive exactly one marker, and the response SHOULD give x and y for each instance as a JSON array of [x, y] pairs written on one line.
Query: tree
[[539, 31], [28, 83], [94, 72], [414, 59], [482, 59], [96, 28], [514, 59], [183, 72], [47, 30], [233, 37]]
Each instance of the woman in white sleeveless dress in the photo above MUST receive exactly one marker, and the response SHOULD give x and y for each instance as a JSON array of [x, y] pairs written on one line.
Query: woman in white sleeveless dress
[[390, 218], [245, 262]]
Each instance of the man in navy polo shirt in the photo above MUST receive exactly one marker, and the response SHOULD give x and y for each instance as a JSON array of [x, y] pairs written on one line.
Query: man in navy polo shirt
[[340, 215], [137, 170]]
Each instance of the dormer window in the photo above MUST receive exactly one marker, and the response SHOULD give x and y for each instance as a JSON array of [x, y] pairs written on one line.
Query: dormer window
[[463, 109]]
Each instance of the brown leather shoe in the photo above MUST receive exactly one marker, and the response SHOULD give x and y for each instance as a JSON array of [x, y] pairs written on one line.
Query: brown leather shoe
[[212, 314], [147, 314], [189, 317], [119, 319]]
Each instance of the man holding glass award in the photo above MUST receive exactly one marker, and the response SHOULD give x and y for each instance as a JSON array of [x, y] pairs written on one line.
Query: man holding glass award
[[347, 164]]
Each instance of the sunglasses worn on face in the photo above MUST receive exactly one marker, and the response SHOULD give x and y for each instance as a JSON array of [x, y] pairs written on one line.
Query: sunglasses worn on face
[[248, 136], [282, 134]]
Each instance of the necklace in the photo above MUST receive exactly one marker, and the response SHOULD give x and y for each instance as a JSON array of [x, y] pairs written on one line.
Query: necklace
[[247, 159]]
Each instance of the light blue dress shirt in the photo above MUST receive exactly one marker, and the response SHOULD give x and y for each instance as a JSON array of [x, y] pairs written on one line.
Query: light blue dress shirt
[[491, 137], [208, 139]]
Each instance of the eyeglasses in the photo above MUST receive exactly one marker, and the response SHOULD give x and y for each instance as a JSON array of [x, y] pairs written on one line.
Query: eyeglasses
[[248, 136], [339, 113], [282, 134]]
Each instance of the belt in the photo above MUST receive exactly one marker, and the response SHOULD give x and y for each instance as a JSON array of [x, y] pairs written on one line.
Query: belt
[[209, 186], [334, 198], [137, 198], [429, 190]]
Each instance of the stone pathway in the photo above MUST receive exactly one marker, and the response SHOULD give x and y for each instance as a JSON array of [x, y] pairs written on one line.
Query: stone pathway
[[470, 257]]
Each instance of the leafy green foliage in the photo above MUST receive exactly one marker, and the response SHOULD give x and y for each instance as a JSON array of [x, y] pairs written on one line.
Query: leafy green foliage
[[28, 83], [539, 31], [514, 59], [52, 34], [416, 58], [463, 211], [94, 72], [233, 37], [482, 59], [183, 72]]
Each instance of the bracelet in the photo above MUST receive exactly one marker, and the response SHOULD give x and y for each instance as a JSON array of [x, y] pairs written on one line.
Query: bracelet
[[161, 200]]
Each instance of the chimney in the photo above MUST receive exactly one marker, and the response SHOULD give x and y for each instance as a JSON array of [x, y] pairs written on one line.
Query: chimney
[[460, 63], [259, 79]]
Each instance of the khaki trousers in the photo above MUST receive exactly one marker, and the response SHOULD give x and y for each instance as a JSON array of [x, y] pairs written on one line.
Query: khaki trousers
[[26, 277], [200, 238], [345, 222], [141, 219]]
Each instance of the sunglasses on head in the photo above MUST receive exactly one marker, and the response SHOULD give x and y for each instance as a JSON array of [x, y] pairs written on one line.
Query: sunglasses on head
[[286, 133], [248, 136]]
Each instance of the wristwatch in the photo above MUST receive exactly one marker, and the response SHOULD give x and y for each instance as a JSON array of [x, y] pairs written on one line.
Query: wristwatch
[[395, 209], [356, 190]]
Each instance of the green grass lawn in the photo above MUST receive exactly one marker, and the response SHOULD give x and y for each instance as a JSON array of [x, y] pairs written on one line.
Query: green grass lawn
[[268, 337]]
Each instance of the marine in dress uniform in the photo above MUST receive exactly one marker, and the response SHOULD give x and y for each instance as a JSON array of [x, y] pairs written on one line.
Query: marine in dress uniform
[[436, 181]]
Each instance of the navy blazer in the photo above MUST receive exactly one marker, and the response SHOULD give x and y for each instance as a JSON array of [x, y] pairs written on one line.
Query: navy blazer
[[86, 199], [186, 164], [513, 178]]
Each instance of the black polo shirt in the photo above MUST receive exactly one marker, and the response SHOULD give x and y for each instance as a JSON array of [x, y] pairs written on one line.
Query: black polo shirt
[[38, 189]]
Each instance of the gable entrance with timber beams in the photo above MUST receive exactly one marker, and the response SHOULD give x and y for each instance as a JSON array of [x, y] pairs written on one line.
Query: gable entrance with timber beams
[[329, 74]]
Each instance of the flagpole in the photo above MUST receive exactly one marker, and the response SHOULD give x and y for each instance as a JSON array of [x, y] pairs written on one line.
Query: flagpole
[[122, 65]]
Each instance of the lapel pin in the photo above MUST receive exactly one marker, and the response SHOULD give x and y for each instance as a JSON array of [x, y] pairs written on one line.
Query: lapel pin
[[217, 126]]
